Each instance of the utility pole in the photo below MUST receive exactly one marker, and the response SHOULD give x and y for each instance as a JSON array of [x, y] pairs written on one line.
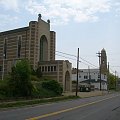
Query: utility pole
[[99, 55], [77, 72], [108, 83], [115, 81], [89, 75], [89, 78]]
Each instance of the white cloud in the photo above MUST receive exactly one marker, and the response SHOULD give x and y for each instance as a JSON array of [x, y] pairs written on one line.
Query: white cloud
[[4, 21], [66, 10], [9, 4], [85, 17], [117, 6]]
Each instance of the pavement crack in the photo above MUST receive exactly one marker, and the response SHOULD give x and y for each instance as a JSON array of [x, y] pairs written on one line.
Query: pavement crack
[[116, 108]]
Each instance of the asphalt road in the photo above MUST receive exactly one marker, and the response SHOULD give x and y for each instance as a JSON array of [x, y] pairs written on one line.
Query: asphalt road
[[95, 108]]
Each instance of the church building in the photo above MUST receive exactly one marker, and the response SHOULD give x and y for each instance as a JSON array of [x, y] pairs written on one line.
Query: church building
[[38, 44]]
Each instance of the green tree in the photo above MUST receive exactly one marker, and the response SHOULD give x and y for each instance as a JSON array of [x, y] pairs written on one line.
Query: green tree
[[112, 81], [20, 82], [36, 73]]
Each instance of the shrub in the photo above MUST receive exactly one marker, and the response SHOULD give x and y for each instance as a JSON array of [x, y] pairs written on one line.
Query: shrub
[[40, 92], [53, 86], [4, 89], [34, 78]]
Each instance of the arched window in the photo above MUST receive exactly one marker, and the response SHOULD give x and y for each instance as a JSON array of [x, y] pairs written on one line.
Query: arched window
[[43, 48]]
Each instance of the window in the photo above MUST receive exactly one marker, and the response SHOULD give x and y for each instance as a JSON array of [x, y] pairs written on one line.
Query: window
[[48, 68], [45, 68], [5, 48], [104, 76], [19, 44], [43, 48], [54, 68], [98, 76], [79, 76], [85, 77], [51, 68], [42, 68]]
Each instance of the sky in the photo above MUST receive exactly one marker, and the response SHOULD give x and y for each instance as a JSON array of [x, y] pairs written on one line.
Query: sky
[[89, 25]]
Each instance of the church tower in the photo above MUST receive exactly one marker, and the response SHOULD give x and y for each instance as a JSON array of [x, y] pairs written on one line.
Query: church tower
[[103, 61]]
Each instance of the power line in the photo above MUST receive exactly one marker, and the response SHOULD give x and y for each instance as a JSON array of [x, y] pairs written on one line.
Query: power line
[[65, 57], [115, 66], [89, 62], [75, 60], [76, 57], [67, 54]]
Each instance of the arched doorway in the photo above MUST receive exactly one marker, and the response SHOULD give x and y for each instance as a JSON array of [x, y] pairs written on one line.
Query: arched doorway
[[67, 81], [43, 48]]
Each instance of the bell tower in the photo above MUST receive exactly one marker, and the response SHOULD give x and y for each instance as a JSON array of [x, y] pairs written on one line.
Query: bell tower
[[103, 62]]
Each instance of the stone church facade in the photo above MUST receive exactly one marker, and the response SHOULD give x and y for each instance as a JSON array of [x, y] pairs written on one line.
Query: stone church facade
[[37, 43]]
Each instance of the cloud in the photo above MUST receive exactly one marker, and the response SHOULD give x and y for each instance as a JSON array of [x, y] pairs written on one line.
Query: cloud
[[66, 10], [117, 9], [4, 21], [9, 4], [117, 12]]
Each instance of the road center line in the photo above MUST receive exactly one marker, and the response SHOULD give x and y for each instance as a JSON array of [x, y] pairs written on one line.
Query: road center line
[[69, 109]]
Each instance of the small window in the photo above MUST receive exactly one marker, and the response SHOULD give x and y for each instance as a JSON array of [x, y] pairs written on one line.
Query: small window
[[48, 68], [45, 68], [51, 68], [42, 68], [85, 77], [98, 76], [54, 68], [104, 76]]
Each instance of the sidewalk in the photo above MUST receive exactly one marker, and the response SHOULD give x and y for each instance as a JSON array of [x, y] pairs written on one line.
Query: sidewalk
[[87, 94]]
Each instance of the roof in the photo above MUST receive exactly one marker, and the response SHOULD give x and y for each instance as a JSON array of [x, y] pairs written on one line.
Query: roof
[[103, 50], [14, 31], [92, 81]]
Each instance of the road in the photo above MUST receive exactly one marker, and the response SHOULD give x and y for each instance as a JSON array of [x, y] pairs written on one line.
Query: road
[[95, 108]]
